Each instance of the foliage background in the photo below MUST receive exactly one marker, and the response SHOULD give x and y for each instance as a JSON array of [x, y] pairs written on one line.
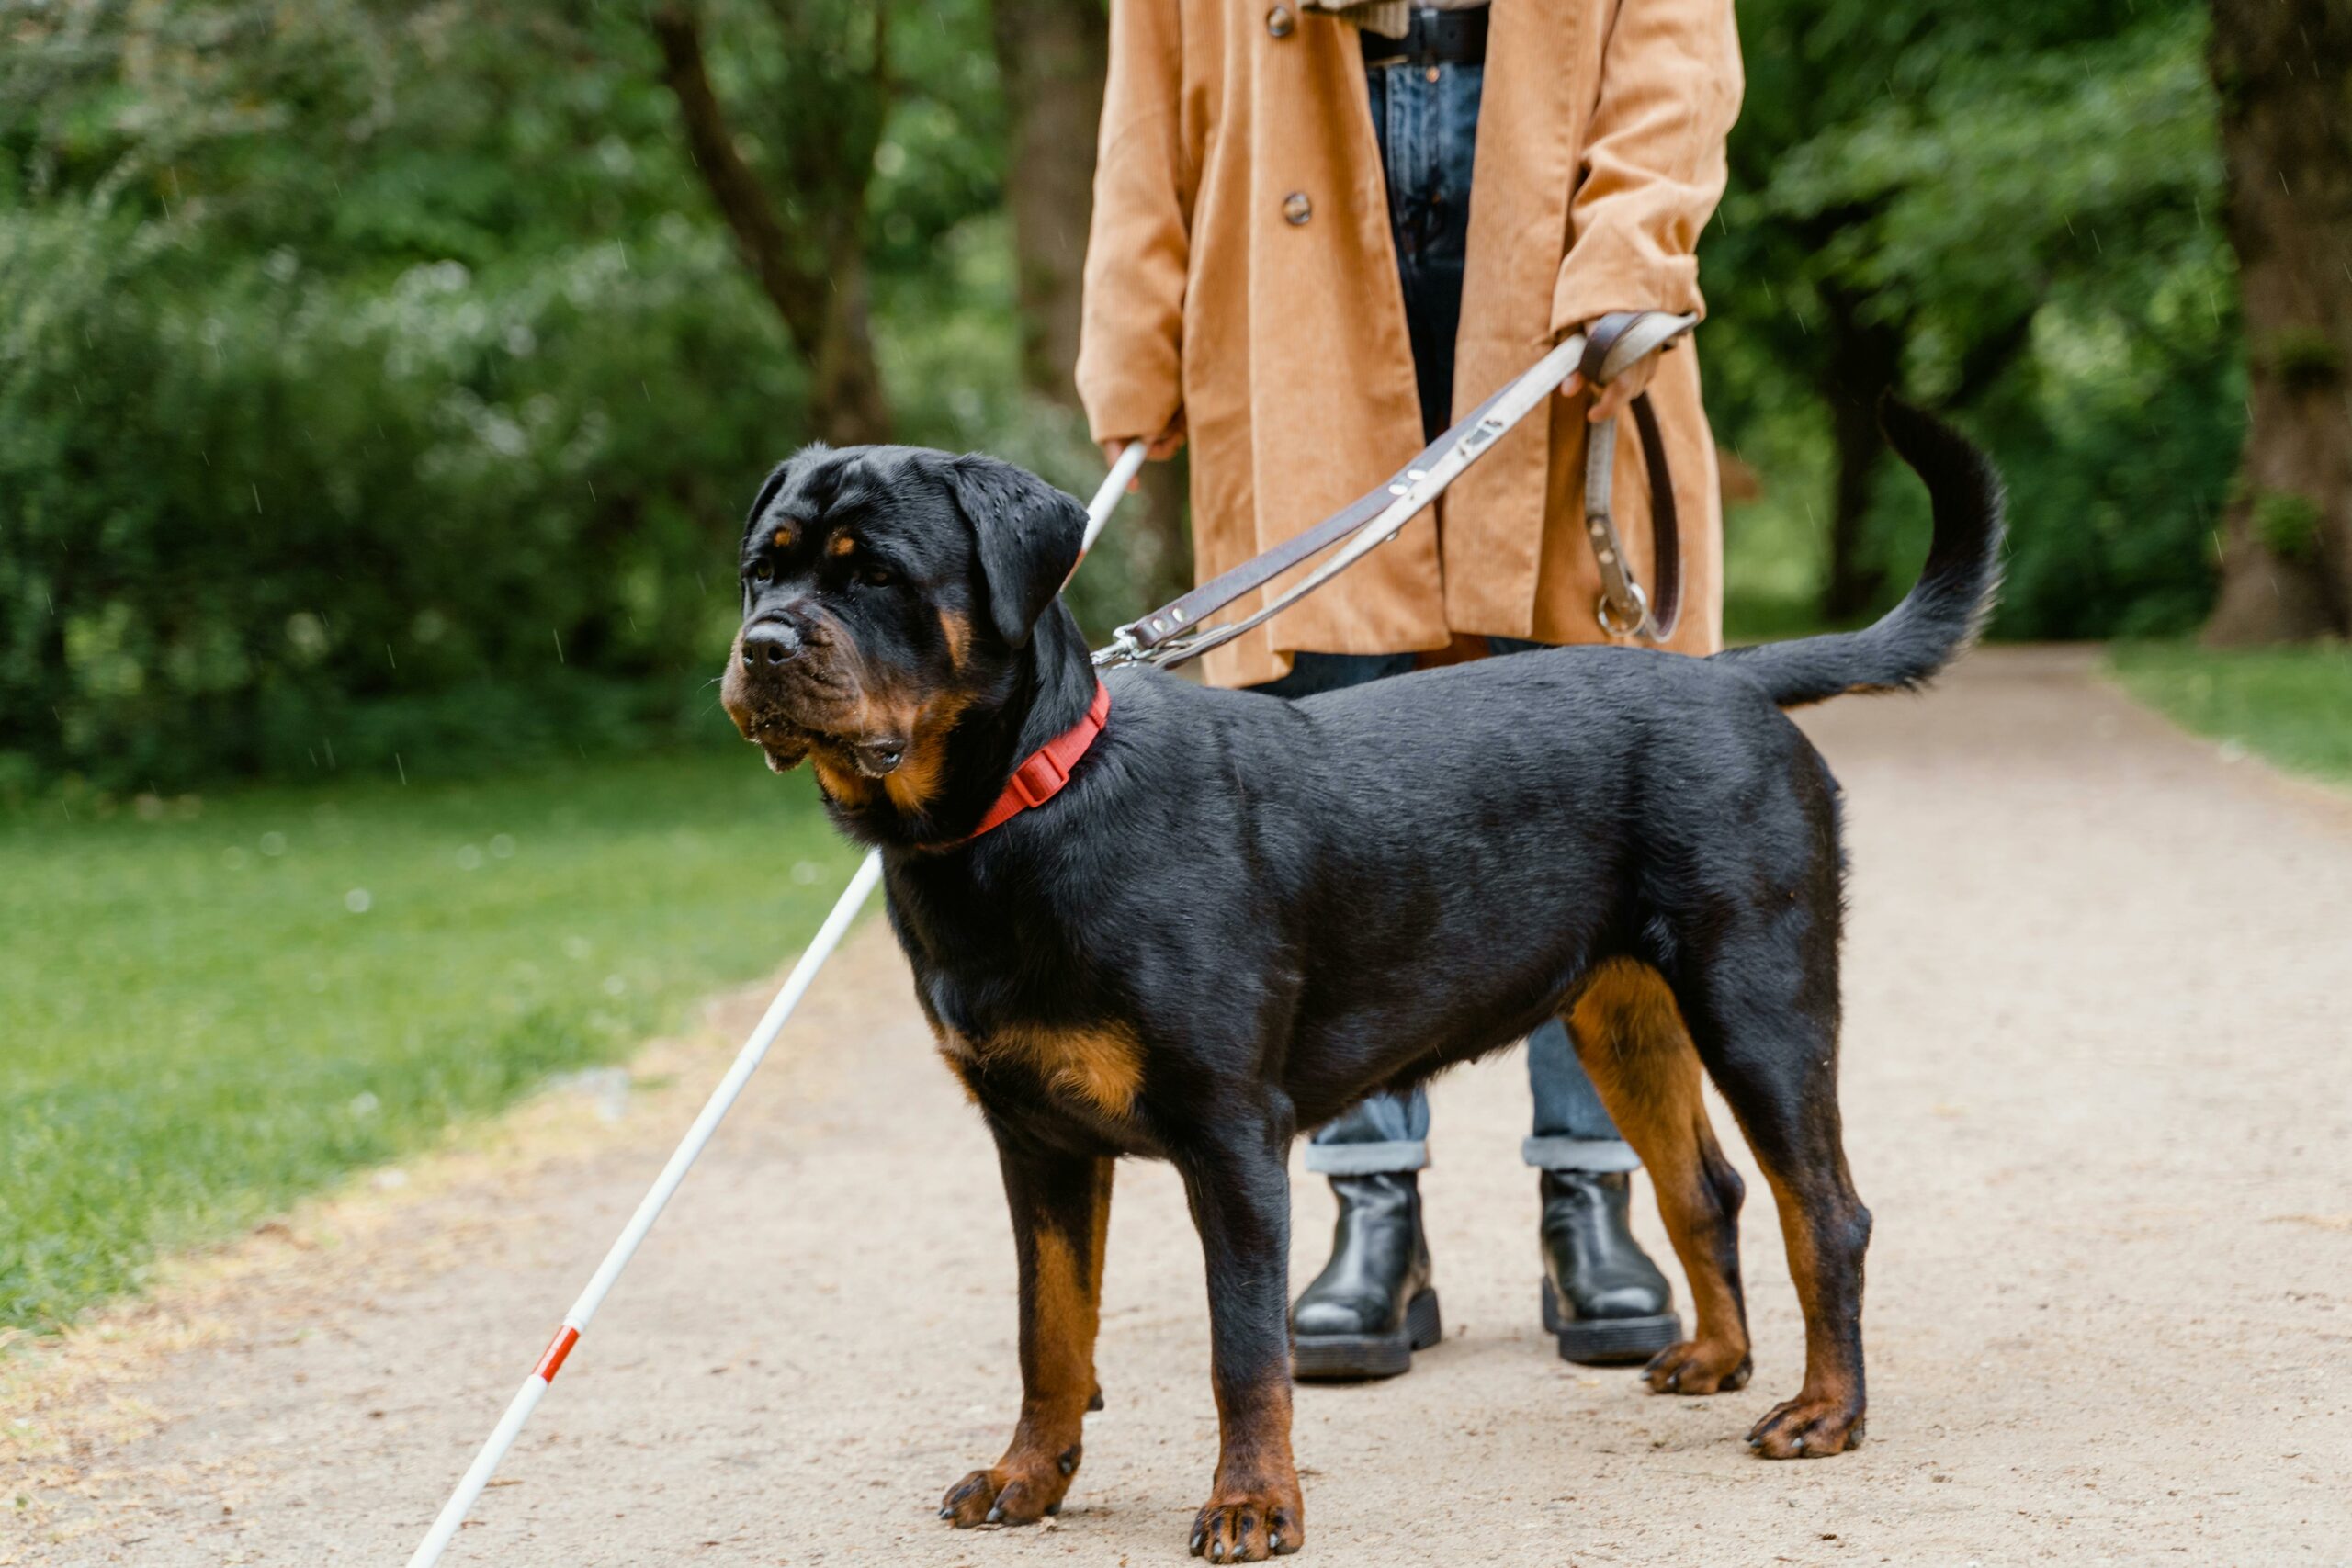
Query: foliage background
[[2010, 211], [379, 384]]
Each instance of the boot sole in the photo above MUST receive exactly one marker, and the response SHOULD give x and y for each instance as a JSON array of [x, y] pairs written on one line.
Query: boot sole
[[1608, 1341], [1351, 1357]]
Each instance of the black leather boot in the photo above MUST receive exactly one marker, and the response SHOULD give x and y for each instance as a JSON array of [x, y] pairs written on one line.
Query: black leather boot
[[1602, 1296], [1372, 1307]]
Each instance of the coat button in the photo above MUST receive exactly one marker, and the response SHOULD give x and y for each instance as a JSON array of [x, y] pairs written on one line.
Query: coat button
[[1296, 208], [1280, 22]]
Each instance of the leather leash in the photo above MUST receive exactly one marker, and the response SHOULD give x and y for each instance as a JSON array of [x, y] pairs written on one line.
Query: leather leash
[[1616, 341], [1175, 632]]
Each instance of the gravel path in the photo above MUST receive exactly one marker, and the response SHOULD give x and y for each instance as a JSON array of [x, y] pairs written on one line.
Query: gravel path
[[2096, 1093]]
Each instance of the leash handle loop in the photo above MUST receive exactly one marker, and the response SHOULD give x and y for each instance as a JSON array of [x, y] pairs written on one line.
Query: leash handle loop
[[1621, 337]]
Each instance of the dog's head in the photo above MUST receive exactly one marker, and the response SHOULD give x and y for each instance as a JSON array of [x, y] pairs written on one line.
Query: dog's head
[[889, 592]]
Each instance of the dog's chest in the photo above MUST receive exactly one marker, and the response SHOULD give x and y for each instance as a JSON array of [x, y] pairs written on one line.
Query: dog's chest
[[1012, 1044], [1097, 1070]]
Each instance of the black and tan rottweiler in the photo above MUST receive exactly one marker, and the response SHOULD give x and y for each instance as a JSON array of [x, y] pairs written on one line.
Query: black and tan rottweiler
[[1241, 914]]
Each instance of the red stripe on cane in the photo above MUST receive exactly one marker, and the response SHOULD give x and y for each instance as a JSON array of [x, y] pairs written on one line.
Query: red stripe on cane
[[557, 1348]]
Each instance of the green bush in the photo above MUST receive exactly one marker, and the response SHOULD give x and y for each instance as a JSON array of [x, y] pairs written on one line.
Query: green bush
[[2012, 212], [379, 387], [244, 507]]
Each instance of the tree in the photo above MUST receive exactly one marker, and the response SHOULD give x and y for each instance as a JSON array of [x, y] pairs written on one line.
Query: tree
[[359, 322], [1928, 199], [2283, 71], [804, 241], [1052, 56]]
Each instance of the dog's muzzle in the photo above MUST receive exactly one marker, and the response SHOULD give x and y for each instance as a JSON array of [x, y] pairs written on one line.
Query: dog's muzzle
[[782, 701]]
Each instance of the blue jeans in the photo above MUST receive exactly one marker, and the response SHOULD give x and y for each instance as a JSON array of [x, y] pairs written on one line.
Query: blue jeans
[[1428, 132]]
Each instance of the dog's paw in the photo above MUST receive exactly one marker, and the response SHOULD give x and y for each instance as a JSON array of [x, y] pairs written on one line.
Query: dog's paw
[[1009, 1495], [1807, 1427], [1695, 1366], [1250, 1528]]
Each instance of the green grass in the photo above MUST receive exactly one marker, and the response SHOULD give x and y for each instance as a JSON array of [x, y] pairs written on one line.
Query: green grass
[[2291, 706], [210, 1007]]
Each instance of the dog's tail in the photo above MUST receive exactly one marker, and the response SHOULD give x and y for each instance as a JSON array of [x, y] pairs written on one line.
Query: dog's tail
[[1945, 609]]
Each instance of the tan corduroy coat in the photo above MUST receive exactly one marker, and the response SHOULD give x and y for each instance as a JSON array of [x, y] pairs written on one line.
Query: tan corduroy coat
[[1240, 269]]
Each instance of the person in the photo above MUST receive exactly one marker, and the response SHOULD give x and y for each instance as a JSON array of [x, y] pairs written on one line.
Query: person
[[1319, 229]]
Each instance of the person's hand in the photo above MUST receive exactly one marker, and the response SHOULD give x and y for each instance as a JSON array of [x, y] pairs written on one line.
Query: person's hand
[[1163, 446], [1618, 396]]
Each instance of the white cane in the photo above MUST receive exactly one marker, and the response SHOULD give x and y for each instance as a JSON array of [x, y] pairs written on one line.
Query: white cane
[[722, 1100]]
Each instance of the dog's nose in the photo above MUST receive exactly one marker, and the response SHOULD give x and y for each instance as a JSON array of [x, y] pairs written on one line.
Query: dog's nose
[[770, 641]]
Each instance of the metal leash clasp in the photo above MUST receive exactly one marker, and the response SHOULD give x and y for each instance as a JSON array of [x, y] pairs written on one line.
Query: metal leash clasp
[[1606, 612], [1120, 649]]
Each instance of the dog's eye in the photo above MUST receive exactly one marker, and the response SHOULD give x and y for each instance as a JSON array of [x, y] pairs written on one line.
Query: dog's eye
[[877, 577], [764, 572]]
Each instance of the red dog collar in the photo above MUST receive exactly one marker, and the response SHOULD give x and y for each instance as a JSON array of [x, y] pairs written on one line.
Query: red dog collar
[[1041, 777]]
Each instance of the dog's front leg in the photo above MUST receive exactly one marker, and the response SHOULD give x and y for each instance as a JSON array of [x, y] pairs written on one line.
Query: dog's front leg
[[1061, 1205], [1239, 1190]]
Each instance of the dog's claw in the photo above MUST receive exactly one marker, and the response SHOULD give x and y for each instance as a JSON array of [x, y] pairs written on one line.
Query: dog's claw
[[1808, 1428], [1248, 1526], [1005, 1496], [1697, 1367]]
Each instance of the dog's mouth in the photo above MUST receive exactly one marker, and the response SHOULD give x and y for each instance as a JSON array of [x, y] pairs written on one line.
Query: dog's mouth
[[783, 749], [786, 743], [876, 756], [820, 711]]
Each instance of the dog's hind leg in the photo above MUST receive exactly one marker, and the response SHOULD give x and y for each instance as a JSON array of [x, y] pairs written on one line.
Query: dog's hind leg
[[1764, 1022], [1629, 1037], [1062, 1209]]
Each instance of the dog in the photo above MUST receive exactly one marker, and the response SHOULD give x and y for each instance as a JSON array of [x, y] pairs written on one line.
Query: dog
[[1219, 917]]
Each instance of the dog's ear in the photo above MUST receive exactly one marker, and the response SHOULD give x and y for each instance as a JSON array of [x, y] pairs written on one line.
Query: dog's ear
[[1028, 535]]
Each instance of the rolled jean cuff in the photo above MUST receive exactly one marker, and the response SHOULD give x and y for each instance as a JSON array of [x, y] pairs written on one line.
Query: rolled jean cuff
[[1392, 1159], [1596, 1156]]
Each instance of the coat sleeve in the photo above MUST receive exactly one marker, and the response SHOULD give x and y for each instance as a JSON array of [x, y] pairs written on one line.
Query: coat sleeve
[[1138, 242], [1653, 161]]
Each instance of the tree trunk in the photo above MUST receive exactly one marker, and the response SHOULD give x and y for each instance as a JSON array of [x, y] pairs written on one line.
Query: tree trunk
[[1865, 359], [847, 401], [2283, 71], [824, 308], [1052, 56]]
